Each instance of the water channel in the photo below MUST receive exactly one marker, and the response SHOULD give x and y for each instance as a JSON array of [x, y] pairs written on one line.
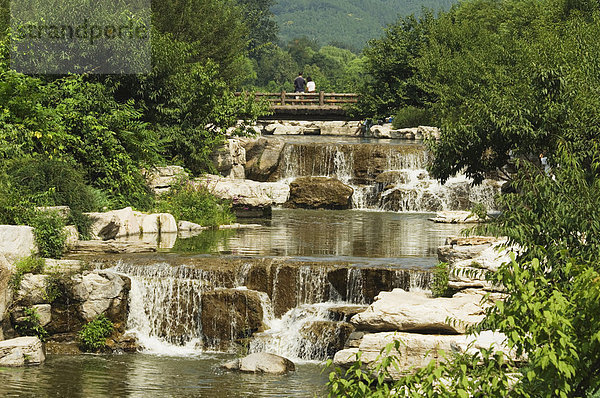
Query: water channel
[[303, 266]]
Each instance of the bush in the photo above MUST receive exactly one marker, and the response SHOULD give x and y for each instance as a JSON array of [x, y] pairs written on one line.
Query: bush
[[411, 116], [439, 284], [92, 336], [195, 204], [49, 233], [26, 265], [30, 325]]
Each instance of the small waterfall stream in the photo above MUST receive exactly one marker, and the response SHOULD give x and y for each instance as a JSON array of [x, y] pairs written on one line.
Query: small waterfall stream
[[172, 307], [384, 176]]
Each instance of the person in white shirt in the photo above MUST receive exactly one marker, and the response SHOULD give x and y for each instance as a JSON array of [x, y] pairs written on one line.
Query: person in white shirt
[[310, 86]]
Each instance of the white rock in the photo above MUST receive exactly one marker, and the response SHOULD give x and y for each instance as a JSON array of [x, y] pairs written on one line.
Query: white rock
[[288, 130], [17, 241], [98, 291], [32, 290], [399, 310], [21, 351], [246, 192], [159, 223], [417, 350], [116, 223], [384, 131], [160, 179], [186, 226]]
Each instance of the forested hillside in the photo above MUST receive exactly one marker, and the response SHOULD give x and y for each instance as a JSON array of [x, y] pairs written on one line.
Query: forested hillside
[[347, 22]]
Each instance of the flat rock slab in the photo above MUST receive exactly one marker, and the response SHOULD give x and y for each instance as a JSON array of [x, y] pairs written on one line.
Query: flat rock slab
[[261, 362], [416, 350], [399, 310], [112, 247], [21, 351]]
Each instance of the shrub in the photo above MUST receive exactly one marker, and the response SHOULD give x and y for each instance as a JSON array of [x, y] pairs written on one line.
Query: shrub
[[26, 265], [195, 204], [92, 336], [411, 116], [49, 233], [54, 287], [30, 325], [439, 284]]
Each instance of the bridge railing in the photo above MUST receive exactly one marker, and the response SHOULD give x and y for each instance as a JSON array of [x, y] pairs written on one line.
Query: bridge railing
[[303, 99]]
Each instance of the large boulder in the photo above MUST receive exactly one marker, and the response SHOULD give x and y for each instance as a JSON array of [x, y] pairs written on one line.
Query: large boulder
[[6, 291], [319, 193], [399, 310], [32, 290], [417, 350], [245, 192], [262, 158], [261, 362], [229, 315], [128, 222], [21, 351], [99, 292], [337, 127], [17, 241], [230, 159]]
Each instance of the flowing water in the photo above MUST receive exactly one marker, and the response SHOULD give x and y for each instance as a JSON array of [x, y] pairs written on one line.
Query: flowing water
[[288, 285]]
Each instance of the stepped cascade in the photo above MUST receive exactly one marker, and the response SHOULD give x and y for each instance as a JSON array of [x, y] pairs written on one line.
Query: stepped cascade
[[278, 304], [384, 176]]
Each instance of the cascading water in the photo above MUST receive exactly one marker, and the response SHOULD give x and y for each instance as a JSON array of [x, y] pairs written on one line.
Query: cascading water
[[384, 177], [168, 306]]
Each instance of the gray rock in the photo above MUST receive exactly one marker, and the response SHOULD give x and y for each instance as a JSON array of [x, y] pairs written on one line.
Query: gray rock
[[44, 312], [261, 362], [32, 290], [319, 193], [160, 179], [21, 351], [245, 192], [111, 246], [6, 292], [99, 291]]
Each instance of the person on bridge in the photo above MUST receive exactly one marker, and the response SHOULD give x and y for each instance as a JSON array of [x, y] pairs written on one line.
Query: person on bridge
[[310, 85], [299, 83]]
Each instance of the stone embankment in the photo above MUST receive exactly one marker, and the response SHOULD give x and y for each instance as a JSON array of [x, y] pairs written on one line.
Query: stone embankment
[[426, 326]]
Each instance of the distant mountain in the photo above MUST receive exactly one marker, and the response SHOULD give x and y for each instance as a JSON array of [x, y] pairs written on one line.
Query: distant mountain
[[347, 22]]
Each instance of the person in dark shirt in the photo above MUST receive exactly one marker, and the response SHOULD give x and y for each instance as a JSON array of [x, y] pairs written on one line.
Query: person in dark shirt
[[299, 83]]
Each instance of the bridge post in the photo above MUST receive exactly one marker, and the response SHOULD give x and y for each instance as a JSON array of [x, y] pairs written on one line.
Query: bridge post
[[282, 97], [321, 98]]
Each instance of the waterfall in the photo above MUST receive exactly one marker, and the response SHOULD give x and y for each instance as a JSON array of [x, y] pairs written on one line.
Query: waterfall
[[384, 176], [186, 309]]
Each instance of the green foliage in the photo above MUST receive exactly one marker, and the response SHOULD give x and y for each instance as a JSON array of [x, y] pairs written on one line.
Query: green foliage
[[411, 116], [189, 202], [54, 287], [48, 230], [480, 211], [343, 23], [30, 325], [439, 283], [92, 336], [26, 265]]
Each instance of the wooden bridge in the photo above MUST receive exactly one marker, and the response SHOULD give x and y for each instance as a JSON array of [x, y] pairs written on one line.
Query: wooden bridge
[[319, 105]]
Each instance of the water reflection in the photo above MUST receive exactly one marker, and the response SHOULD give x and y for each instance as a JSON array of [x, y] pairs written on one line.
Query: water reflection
[[322, 233], [141, 375]]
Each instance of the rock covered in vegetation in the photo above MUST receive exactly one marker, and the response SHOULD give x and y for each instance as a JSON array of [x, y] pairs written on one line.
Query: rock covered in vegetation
[[17, 241], [160, 179], [21, 351], [319, 193], [6, 293], [261, 362], [399, 310]]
